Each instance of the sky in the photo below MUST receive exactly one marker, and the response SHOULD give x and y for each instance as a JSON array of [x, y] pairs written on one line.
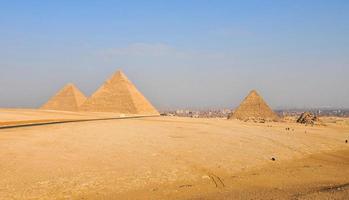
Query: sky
[[179, 54]]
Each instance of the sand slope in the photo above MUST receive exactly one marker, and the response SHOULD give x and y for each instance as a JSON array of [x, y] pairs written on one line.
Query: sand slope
[[18, 117], [159, 158]]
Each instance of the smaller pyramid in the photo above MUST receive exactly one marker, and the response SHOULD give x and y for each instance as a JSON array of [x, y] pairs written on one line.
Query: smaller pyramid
[[308, 118], [119, 95], [254, 108], [69, 98]]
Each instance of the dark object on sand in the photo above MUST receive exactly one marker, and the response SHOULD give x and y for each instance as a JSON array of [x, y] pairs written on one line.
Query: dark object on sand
[[346, 141], [308, 118], [273, 159], [182, 186]]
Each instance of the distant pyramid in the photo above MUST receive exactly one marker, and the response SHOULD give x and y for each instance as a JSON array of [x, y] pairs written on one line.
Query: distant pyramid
[[119, 95], [69, 99], [254, 108]]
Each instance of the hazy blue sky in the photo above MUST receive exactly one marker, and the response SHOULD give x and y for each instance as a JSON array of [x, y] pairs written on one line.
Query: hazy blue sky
[[179, 54]]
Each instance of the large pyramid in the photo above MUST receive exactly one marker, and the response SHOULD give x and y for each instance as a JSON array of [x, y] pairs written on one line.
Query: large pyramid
[[254, 108], [119, 95], [69, 98]]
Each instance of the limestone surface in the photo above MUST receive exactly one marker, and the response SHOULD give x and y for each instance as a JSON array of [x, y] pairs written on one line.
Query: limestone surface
[[69, 98], [254, 108], [119, 95]]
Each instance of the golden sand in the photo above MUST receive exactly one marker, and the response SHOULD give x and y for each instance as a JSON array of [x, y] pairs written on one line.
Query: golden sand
[[173, 158]]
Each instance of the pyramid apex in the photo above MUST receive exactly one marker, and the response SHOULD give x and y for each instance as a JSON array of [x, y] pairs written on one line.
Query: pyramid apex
[[118, 75], [70, 85], [253, 91], [119, 72]]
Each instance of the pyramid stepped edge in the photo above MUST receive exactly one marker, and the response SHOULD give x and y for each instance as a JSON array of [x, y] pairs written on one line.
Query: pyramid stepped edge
[[119, 95], [253, 107], [69, 98]]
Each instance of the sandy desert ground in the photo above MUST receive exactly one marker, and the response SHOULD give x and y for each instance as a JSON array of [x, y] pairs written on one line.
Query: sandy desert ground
[[23, 117], [171, 158]]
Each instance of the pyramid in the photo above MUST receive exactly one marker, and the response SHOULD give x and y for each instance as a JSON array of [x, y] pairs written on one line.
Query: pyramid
[[253, 107], [68, 98], [119, 95], [308, 118]]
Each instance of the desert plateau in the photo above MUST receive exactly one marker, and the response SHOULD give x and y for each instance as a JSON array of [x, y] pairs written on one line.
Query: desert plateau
[[171, 158]]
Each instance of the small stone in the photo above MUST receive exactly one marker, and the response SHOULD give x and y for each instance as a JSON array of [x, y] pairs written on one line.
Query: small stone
[[273, 159], [205, 177]]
